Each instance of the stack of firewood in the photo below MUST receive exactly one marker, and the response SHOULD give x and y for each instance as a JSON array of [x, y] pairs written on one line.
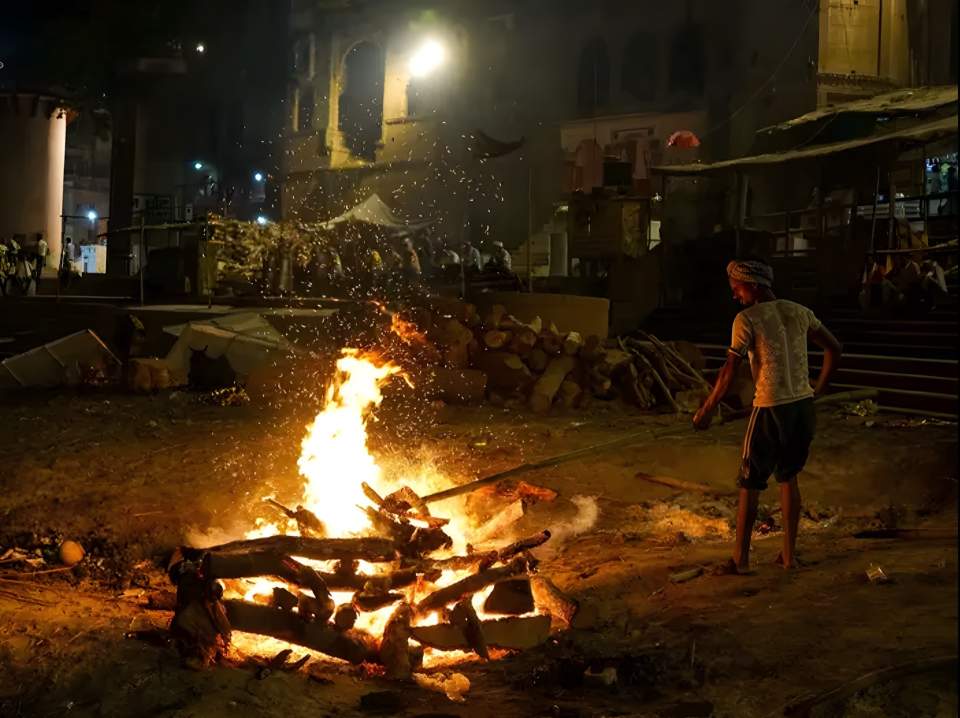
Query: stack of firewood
[[303, 611], [535, 362]]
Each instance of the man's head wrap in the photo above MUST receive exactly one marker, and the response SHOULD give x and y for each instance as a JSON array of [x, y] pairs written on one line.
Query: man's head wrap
[[751, 272]]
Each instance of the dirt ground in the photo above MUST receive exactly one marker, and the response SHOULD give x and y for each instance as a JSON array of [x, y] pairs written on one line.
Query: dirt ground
[[130, 478]]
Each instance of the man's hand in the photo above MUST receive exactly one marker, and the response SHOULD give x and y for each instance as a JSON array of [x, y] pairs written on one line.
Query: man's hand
[[701, 420]]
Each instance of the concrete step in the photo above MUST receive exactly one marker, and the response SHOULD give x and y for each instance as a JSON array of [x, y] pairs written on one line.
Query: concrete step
[[910, 384]]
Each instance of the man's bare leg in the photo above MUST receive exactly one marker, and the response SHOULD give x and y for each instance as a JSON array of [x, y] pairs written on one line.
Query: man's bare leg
[[746, 517], [790, 506]]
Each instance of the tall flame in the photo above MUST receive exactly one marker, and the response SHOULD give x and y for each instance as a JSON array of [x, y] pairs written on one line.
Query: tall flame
[[334, 458]]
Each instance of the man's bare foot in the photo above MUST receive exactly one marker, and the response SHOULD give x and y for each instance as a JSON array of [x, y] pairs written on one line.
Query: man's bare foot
[[731, 568], [795, 564]]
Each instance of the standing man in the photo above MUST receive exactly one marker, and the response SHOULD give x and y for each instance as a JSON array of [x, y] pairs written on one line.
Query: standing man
[[43, 249], [772, 334], [470, 257]]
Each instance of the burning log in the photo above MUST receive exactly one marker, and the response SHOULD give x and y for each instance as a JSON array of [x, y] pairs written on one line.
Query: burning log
[[315, 608], [200, 627], [410, 540], [283, 600], [353, 645], [263, 563], [551, 600], [471, 584], [307, 521], [401, 509], [345, 617], [508, 552], [287, 569], [394, 648], [465, 617], [511, 598], [516, 633], [329, 549], [373, 600]]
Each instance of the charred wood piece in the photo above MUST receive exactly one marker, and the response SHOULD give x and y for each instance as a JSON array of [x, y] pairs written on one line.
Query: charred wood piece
[[307, 521], [516, 633], [328, 549], [353, 646], [471, 584]]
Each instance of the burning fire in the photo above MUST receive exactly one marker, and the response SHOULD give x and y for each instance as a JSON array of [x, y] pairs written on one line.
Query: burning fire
[[334, 458], [335, 462]]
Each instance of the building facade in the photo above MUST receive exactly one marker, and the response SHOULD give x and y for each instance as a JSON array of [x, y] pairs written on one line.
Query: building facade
[[401, 100]]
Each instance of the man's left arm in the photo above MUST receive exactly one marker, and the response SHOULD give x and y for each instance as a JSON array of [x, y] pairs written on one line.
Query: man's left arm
[[832, 349]]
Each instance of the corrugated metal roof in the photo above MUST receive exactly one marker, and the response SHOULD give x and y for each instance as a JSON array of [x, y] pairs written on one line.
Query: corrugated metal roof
[[898, 102], [933, 130]]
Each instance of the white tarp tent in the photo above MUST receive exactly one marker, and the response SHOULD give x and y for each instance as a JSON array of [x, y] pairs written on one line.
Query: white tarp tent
[[246, 339], [374, 211], [57, 362]]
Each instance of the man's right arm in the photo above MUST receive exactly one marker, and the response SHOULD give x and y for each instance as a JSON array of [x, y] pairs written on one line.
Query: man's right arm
[[832, 349]]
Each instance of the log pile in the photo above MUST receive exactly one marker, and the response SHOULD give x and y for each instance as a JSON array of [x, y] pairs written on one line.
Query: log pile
[[428, 607], [536, 364]]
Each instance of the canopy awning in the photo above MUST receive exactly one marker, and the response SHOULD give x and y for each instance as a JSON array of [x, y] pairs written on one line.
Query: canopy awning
[[926, 132], [374, 211], [898, 102]]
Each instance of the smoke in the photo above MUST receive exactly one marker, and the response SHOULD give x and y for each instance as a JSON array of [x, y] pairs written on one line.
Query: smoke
[[586, 517]]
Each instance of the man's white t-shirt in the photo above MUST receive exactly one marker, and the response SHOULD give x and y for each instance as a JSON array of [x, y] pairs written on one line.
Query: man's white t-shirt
[[773, 335]]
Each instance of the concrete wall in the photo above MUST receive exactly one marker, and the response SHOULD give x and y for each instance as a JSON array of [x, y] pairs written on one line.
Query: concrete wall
[[33, 133], [867, 38]]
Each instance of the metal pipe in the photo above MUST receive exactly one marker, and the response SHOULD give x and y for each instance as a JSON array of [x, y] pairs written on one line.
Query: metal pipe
[[143, 254]]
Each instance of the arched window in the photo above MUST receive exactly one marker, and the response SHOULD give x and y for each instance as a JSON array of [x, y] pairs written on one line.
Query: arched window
[[687, 65], [593, 84], [360, 116], [641, 66]]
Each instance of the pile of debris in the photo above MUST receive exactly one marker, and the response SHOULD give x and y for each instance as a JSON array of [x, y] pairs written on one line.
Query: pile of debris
[[506, 359], [395, 568]]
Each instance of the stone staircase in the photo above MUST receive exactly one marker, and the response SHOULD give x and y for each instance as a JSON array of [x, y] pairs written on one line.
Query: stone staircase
[[913, 362]]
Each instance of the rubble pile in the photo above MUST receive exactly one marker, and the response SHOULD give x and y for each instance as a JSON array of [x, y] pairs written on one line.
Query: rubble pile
[[503, 359]]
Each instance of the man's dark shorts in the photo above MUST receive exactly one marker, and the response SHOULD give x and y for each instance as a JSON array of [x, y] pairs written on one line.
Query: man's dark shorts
[[777, 442]]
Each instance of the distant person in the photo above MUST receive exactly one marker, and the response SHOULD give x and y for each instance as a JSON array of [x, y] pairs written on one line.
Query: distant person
[[66, 256], [933, 283], [471, 258], [772, 334], [446, 257], [952, 189], [871, 294], [902, 283], [43, 249], [936, 187], [500, 260], [411, 268]]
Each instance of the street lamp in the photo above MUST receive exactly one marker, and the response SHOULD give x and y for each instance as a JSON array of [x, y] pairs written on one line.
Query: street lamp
[[92, 215], [258, 176], [198, 165], [261, 220], [201, 48], [427, 58]]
